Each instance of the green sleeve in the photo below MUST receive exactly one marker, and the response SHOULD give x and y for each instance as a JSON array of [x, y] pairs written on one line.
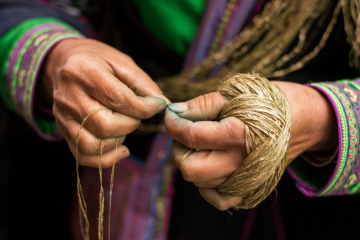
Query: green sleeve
[[22, 51]]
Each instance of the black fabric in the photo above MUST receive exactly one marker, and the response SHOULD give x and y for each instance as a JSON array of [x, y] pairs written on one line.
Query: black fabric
[[37, 184], [13, 12]]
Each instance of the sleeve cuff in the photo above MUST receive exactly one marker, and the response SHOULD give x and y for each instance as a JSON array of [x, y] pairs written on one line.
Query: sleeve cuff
[[23, 69], [345, 179]]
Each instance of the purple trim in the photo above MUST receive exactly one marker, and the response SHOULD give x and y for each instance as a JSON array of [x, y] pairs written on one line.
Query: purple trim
[[203, 38], [46, 137], [242, 11], [302, 185], [248, 224], [26, 59], [256, 10], [357, 80], [15, 53], [239, 18]]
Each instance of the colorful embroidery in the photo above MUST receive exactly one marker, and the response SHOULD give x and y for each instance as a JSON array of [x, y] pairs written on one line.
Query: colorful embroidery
[[344, 97], [25, 64]]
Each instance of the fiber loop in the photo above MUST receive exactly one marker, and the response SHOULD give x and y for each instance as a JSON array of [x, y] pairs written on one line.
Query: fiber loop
[[265, 111]]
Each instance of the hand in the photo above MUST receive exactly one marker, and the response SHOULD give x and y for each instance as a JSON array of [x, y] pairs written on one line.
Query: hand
[[81, 75], [221, 145]]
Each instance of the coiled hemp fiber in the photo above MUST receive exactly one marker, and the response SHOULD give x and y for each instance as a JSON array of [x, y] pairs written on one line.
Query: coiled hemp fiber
[[265, 111]]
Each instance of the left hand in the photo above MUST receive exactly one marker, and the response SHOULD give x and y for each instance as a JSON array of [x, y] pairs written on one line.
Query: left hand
[[221, 145]]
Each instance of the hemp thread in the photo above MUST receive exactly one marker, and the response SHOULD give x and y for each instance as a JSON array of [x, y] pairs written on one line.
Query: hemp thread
[[265, 111], [274, 45], [81, 199]]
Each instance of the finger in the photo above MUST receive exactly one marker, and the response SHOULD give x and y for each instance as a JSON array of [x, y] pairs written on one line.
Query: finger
[[219, 201], [211, 183], [228, 133], [137, 80], [204, 166], [102, 85], [203, 108], [119, 97], [104, 123], [107, 158], [89, 144]]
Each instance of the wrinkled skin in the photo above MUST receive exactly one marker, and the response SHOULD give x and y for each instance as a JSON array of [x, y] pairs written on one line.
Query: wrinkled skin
[[80, 75], [222, 143]]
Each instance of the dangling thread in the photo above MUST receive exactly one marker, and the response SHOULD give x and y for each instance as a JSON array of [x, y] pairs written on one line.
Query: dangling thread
[[81, 199]]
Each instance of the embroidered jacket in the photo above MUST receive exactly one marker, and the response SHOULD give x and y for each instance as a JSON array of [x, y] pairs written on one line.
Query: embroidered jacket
[[24, 43]]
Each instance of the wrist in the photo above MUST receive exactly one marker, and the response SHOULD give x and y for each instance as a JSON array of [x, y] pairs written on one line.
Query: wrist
[[324, 122], [314, 124]]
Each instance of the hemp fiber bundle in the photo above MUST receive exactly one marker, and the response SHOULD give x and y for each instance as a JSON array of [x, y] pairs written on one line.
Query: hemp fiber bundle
[[264, 109]]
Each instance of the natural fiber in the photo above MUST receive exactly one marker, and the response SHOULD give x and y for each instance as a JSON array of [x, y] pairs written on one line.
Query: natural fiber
[[351, 12], [265, 111], [274, 46], [83, 218]]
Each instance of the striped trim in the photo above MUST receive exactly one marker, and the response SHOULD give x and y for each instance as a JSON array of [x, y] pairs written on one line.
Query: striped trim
[[221, 22], [25, 64], [345, 97], [343, 129]]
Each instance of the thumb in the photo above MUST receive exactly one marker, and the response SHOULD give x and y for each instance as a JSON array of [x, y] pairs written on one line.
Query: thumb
[[203, 108]]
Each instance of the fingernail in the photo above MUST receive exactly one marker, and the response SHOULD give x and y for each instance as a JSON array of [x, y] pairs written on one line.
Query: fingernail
[[178, 107], [126, 153], [162, 103]]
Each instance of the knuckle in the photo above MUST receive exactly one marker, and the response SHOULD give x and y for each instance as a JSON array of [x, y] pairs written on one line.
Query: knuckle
[[59, 99], [187, 172], [203, 103], [88, 146], [212, 183], [236, 130], [116, 97], [120, 140], [189, 137], [66, 72], [127, 58], [221, 205], [141, 110], [71, 65], [103, 126]]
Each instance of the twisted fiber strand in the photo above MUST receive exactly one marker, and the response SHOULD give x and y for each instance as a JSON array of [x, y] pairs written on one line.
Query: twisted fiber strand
[[351, 12], [112, 185], [265, 111], [101, 197], [267, 46], [81, 199]]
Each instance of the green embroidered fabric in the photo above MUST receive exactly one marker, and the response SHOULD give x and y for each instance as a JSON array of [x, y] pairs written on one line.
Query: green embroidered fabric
[[22, 50]]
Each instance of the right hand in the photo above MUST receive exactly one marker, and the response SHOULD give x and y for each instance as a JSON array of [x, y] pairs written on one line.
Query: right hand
[[81, 75]]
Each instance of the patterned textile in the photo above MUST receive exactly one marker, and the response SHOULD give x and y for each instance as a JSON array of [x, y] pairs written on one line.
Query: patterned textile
[[143, 192], [344, 97], [221, 22], [27, 46]]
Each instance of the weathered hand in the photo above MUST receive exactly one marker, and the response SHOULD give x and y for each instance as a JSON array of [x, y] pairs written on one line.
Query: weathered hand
[[221, 145], [81, 75]]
